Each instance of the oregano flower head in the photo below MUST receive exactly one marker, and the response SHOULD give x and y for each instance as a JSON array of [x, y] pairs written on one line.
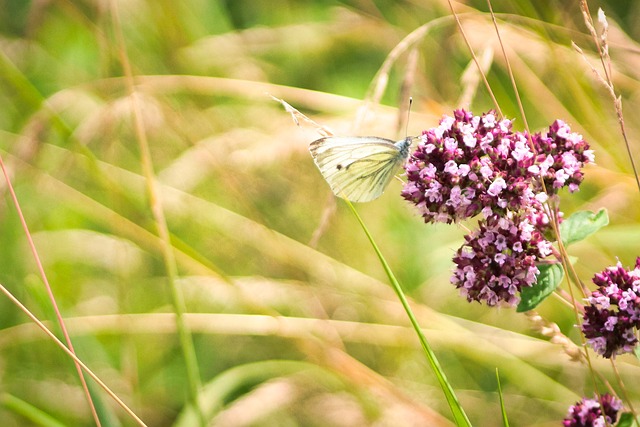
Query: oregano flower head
[[466, 166], [612, 316], [560, 157], [477, 165], [469, 165], [593, 412], [499, 259]]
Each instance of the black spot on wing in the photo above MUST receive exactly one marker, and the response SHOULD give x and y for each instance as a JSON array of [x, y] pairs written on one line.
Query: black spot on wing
[[376, 160]]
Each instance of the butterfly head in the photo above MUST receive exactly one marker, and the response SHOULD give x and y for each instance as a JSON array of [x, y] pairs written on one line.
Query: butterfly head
[[404, 145]]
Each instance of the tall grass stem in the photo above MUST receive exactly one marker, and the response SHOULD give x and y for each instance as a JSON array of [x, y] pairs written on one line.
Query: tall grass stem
[[459, 416], [184, 333]]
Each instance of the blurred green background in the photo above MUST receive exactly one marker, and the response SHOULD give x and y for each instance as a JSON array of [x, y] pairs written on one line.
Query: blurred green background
[[292, 317]]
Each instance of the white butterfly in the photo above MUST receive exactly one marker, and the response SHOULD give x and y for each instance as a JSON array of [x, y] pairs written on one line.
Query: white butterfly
[[359, 168]]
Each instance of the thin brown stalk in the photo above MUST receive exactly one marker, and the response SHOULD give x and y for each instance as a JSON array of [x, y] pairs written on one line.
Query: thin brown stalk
[[331, 205], [602, 46], [555, 335], [564, 259], [52, 298], [381, 79], [404, 103], [295, 115], [601, 42], [327, 213], [623, 389], [71, 354], [475, 59], [184, 333], [470, 79]]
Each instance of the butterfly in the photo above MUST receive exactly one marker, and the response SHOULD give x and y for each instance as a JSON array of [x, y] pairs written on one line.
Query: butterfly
[[359, 168]]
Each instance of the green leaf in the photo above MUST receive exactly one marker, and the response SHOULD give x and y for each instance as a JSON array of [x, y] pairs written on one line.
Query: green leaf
[[626, 420], [549, 278], [582, 224]]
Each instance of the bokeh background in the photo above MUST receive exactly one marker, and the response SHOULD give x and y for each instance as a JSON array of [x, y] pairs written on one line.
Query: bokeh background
[[293, 320]]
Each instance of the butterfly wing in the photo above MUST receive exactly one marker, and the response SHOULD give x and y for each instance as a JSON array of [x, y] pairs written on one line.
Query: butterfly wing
[[358, 168]]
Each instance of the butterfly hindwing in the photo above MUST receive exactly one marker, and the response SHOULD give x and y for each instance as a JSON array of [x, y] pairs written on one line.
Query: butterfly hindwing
[[358, 168]]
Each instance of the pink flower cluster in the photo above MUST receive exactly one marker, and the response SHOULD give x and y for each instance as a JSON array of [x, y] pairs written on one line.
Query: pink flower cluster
[[477, 164], [498, 259], [612, 317], [593, 412], [471, 165], [561, 154]]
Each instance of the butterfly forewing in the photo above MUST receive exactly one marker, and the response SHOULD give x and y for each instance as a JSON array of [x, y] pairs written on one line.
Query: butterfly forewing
[[358, 168]]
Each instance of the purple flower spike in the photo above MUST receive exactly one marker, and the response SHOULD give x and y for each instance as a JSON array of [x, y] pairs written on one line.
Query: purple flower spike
[[471, 165], [498, 260], [475, 164], [561, 155], [453, 174], [593, 412], [613, 313]]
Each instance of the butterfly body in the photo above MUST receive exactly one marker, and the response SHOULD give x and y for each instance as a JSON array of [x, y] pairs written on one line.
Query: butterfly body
[[359, 168]]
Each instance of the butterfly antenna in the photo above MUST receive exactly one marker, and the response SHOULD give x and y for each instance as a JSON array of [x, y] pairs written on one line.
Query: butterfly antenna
[[406, 129]]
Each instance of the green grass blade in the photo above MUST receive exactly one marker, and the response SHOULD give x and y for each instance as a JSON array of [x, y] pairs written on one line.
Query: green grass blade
[[505, 420], [28, 411], [459, 416]]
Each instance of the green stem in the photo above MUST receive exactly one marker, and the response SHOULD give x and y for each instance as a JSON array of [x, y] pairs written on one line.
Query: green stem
[[503, 410], [458, 413]]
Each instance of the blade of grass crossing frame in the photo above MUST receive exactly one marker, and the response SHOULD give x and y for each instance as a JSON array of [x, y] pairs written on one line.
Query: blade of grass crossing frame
[[503, 411], [459, 416], [28, 411]]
